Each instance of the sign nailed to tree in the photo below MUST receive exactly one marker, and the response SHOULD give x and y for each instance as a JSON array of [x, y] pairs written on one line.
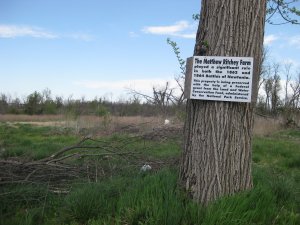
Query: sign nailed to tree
[[219, 78]]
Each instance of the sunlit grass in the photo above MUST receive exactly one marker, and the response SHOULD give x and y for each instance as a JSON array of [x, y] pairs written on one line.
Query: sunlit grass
[[133, 197], [32, 142]]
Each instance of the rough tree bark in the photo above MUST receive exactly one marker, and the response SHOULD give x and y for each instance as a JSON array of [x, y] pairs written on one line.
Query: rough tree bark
[[216, 158]]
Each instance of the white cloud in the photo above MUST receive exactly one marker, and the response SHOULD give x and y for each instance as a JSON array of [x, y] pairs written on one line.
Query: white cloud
[[269, 39], [294, 40], [13, 31], [191, 36], [140, 85], [180, 29], [172, 29], [113, 85]]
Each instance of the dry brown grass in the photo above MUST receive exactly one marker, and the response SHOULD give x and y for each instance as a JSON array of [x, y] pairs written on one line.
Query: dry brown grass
[[107, 125], [89, 120], [95, 124], [30, 118], [264, 126], [111, 124]]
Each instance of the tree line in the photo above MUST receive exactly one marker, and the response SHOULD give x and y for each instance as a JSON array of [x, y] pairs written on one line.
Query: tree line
[[279, 89], [43, 103]]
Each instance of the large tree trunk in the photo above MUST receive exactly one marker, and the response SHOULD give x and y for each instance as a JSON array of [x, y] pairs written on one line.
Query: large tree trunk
[[216, 158]]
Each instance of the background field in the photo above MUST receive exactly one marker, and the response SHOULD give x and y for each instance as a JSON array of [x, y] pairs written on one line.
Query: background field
[[262, 126]]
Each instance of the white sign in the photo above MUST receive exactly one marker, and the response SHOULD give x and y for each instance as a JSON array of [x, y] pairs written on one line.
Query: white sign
[[222, 78]]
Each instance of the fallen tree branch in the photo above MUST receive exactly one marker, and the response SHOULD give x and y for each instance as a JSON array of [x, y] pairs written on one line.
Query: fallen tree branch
[[88, 159]]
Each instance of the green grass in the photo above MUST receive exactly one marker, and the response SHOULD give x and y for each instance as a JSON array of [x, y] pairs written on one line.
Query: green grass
[[32, 142], [280, 152], [155, 199], [132, 197]]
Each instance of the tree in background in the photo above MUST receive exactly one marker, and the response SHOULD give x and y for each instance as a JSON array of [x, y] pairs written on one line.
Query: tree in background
[[33, 103], [288, 77], [279, 97], [267, 86], [275, 89], [295, 96], [48, 105], [272, 88], [3, 103]]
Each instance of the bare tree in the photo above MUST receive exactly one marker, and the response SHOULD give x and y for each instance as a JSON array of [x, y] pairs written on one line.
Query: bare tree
[[264, 68], [295, 96], [272, 88], [267, 86], [288, 76], [162, 97], [275, 89]]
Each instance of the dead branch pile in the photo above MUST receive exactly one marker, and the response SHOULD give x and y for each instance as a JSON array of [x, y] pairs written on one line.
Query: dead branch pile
[[61, 166], [89, 159]]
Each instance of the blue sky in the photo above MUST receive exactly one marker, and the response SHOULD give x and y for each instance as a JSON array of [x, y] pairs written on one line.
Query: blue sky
[[101, 47]]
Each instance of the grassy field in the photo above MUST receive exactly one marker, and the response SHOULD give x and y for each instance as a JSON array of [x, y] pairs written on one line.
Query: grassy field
[[122, 194]]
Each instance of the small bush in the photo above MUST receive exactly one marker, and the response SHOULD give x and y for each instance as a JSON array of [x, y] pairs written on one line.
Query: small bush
[[102, 111]]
